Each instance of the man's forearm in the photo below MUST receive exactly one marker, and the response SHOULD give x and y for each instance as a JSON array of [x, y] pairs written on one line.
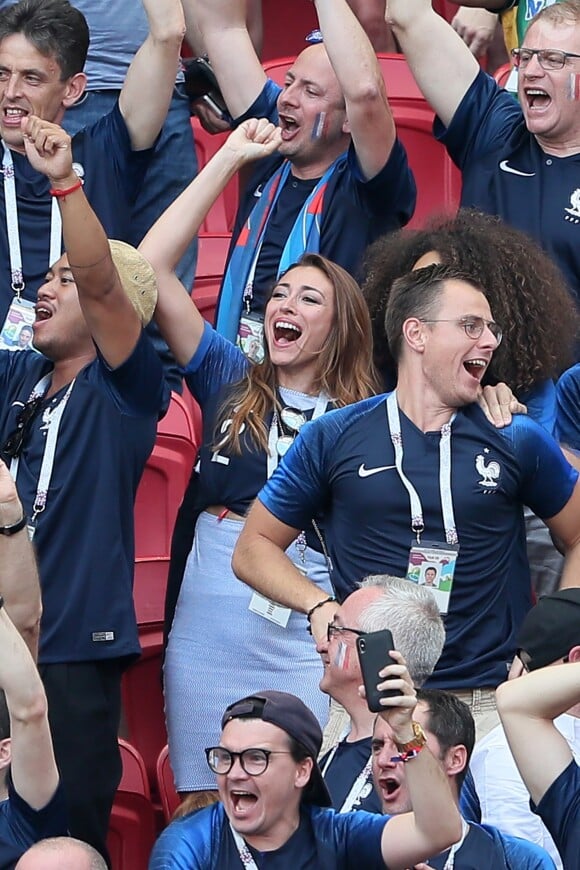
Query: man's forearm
[[266, 568], [544, 694]]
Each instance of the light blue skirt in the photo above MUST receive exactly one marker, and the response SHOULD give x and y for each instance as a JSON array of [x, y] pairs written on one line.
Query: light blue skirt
[[219, 651]]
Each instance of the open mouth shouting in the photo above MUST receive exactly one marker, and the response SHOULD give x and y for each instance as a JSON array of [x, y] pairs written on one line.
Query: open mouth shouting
[[12, 116], [475, 367], [242, 802], [288, 126], [286, 332], [537, 99], [43, 312], [390, 789]]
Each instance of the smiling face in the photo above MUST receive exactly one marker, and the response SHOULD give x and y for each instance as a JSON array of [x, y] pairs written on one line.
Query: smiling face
[[298, 323], [453, 364], [312, 114], [60, 330], [264, 809], [550, 113], [30, 84]]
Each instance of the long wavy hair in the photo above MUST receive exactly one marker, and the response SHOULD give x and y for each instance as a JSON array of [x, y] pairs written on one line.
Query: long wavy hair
[[526, 291], [346, 372]]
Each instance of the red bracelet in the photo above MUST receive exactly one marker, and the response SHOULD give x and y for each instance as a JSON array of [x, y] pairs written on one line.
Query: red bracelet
[[60, 194]]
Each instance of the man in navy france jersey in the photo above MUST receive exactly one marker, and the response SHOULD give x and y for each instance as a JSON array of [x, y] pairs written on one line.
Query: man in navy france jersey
[[450, 731], [411, 613], [340, 178], [520, 161], [274, 807], [393, 474], [77, 423], [43, 46]]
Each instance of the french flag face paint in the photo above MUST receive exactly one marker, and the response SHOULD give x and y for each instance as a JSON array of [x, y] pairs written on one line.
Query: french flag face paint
[[319, 126], [342, 656], [573, 89]]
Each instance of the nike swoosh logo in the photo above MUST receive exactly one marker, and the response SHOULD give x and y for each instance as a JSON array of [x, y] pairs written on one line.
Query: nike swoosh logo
[[366, 472], [505, 167]]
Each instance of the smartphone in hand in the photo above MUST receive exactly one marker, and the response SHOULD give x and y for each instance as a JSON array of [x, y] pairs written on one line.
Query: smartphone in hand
[[373, 653]]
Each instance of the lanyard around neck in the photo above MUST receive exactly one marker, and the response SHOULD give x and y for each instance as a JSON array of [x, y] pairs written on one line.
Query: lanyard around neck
[[273, 458], [243, 851], [354, 795], [11, 209], [47, 465], [450, 863], [417, 518]]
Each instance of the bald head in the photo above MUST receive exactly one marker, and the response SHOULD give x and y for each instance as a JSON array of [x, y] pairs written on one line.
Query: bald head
[[61, 853]]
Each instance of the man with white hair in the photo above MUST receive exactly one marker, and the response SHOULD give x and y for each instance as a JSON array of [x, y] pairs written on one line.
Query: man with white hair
[[412, 615]]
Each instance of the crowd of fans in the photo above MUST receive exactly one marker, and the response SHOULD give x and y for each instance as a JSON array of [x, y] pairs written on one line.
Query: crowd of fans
[[321, 508]]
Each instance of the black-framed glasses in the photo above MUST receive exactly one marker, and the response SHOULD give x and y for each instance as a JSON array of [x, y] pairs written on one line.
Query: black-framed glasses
[[548, 58], [254, 761], [474, 326], [12, 447], [332, 629]]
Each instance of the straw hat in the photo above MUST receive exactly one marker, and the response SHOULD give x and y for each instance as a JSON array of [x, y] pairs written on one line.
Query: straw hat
[[137, 277]]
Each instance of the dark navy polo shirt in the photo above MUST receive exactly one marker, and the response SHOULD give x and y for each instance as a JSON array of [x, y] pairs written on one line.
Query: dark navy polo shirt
[[506, 173], [21, 826], [559, 810], [346, 765]]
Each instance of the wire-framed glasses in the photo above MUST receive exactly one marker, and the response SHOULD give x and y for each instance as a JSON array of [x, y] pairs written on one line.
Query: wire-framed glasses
[[473, 326], [332, 629]]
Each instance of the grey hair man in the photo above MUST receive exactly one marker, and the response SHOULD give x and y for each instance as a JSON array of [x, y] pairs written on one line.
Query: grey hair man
[[411, 614]]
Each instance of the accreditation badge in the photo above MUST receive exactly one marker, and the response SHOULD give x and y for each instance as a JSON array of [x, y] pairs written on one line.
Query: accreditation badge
[[251, 337], [432, 565], [16, 333]]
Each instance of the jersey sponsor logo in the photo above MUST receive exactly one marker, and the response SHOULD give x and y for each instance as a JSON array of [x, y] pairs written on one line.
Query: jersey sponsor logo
[[367, 472], [505, 167], [489, 471], [573, 213]]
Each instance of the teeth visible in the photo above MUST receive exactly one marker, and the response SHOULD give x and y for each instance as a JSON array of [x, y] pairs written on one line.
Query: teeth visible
[[476, 362], [284, 324], [536, 92]]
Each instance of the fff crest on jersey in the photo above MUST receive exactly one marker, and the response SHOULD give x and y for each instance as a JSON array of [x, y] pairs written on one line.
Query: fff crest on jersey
[[489, 471]]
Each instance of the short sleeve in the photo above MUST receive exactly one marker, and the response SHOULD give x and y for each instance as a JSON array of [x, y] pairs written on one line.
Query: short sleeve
[[215, 363]]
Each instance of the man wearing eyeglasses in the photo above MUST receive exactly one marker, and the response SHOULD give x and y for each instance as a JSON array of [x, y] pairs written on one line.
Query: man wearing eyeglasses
[[274, 807], [420, 476], [518, 161], [411, 614]]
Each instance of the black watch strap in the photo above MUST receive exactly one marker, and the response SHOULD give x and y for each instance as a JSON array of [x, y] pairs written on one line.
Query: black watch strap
[[17, 527]]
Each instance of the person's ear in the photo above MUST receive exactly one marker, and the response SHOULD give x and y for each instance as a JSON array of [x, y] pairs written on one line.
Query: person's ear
[[303, 771], [414, 334], [574, 654], [5, 753], [455, 760], [75, 88]]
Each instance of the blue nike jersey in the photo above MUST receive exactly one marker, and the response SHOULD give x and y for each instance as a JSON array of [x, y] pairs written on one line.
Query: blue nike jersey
[[343, 467], [506, 173]]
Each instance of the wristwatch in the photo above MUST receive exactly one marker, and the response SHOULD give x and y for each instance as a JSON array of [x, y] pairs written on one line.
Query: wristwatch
[[416, 743], [17, 527]]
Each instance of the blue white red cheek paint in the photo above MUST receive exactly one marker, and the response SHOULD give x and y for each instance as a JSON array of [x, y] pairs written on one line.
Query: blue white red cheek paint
[[342, 656], [319, 127], [573, 89]]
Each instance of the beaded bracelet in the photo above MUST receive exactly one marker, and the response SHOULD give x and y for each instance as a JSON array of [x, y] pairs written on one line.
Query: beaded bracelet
[[316, 606]]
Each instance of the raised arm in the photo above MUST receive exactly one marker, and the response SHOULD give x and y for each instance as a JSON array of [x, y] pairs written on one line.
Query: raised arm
[[19, 585], [33, 768], [413, 837], [442, 64], [180, 322], [357, 70], [146, 94], [223, 28], [110, 316], [527, 707]]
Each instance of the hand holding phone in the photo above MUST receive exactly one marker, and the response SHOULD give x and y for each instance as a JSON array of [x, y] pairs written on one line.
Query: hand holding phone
[[373, 652]]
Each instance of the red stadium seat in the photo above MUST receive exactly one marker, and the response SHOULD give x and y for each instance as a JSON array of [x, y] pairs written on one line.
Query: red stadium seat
[[211, 258], [438, 180], [166, 785], [502, 74], [132, 826], [222, 214]]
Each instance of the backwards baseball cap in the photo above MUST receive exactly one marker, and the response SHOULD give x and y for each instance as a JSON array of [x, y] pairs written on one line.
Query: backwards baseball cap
[[550, 629], [293, 716], [137, 277]]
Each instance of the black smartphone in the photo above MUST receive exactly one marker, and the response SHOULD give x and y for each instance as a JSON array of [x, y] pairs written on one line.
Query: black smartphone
[[373, 654], [201, 84]]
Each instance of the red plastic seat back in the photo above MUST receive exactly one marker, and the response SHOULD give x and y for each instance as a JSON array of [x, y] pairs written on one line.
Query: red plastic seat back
[[166, 785], [132, 826]]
